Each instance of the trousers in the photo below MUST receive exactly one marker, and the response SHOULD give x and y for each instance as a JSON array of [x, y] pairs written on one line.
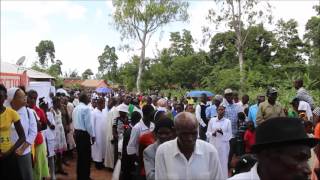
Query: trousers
[[84, 154]]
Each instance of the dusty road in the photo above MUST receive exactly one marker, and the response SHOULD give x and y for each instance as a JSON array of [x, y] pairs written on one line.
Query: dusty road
[[95, 174]]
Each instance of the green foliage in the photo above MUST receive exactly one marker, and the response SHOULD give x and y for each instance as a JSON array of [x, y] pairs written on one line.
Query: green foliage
[[181, 45], [87, 73], [289, 45], [55, 69], [140, 19], [45, 51], [312, 38], [108, 63]]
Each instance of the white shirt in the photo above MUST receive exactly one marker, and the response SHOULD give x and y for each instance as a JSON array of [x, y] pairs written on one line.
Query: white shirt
[[304, 106], [251, 175], [139, 129], [172, 164], [215, 124], [198, 115], [29, 124]]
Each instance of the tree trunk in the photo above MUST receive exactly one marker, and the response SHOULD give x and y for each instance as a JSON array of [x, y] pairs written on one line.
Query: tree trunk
[[240, 52], [141, 63]]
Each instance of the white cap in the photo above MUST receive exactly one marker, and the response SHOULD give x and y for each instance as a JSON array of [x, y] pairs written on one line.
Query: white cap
[[123, 108], [228, 91]]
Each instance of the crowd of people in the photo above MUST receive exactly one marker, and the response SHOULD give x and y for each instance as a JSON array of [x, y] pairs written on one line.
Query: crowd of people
[[152, 136]]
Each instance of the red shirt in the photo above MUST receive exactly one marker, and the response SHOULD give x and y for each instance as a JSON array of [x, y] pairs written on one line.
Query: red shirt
[[249, 140], [43, 120], [144, 141]]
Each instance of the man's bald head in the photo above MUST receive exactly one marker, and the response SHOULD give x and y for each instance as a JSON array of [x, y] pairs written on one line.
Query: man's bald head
[[186, 126], [185, 119]]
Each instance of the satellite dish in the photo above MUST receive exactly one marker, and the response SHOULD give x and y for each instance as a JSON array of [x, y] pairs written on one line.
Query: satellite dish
[[21, 61]]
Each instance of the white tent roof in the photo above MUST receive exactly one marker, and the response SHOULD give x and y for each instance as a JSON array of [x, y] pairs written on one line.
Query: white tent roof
[[12, 68]]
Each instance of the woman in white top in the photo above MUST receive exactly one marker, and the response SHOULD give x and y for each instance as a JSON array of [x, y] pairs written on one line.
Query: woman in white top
[[219, 133]]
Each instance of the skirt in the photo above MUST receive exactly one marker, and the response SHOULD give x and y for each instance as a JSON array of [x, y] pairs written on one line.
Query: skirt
[[41, 169], [60, 139]]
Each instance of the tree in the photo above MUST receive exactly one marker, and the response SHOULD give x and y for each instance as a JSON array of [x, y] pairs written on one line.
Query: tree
[[289, 47], [108, 62], [181, 46], [87, 73], [55, 69], [312, 37], [239, 15], [74, 74], [140, 19], [46, 52]]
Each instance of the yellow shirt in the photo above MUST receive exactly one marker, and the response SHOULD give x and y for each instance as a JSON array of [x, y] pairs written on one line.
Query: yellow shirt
[[267, 111], [8, 117]]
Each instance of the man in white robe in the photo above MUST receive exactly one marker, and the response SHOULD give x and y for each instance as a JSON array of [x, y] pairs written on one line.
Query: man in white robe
[[219, 133], [111, 115], [99, 127]]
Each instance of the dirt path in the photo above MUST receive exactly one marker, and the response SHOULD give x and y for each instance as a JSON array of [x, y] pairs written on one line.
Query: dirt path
[[95, 174]]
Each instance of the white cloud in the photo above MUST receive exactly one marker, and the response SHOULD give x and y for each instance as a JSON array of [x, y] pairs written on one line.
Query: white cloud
[[76, 12]]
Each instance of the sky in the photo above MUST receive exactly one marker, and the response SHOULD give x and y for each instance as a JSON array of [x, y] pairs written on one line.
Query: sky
[[81, 29]]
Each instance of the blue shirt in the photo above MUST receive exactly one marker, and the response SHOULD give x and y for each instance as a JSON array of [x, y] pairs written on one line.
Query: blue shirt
[[231, 112], [82, 118], [211, 111], [252, 115]]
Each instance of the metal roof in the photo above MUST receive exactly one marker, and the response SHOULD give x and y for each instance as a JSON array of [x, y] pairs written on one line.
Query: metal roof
[[12, 68]]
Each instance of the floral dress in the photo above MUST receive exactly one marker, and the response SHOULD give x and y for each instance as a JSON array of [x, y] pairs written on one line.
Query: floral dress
[[60, 138]]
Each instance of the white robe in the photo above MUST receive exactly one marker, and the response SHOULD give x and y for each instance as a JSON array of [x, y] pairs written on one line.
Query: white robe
[[99, 125], [109, 153], [221, 142]]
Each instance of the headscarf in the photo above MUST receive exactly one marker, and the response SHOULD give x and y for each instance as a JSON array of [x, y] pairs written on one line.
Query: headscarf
[[10, 95]]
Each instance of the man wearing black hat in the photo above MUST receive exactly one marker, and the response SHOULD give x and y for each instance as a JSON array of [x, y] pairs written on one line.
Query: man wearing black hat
[[270, 108], [283, 149]]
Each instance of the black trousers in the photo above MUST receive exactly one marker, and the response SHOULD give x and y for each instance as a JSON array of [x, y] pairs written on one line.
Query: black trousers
[[84, 154], [202, 132], [9, 168]]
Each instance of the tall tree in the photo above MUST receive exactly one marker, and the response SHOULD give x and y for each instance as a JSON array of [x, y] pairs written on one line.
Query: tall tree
[[140, 19], [312, 37], [87, 73], [55, 69], [46, 52], [238, 16], [181, 45], [289, 45], [108, 62]]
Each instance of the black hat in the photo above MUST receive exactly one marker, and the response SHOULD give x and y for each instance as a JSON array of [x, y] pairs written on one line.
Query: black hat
[[281, 131]]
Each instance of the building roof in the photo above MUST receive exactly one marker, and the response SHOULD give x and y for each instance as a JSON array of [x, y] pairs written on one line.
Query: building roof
[[93, 83], [12, 68]]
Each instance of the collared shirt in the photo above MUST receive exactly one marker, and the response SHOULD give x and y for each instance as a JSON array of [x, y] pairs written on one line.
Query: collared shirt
[[303, 95], [149, 156], [231, 113], [267, 111], [251, 175], [29, 124], [172, 164], [139, 129], [252, 115], [82, 118], [211, 111]]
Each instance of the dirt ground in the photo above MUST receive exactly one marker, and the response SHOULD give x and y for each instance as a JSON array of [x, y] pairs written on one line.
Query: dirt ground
[[103, 174]]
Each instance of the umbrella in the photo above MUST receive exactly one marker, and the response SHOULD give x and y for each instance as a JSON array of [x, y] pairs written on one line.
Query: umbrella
[[103, 90], [199, 93]]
